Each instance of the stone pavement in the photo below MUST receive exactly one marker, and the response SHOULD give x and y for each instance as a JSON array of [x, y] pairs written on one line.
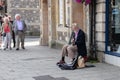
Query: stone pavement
[[39, 63]]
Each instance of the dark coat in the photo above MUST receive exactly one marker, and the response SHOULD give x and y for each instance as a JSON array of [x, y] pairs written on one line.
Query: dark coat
[[71, 37], [80, 42]]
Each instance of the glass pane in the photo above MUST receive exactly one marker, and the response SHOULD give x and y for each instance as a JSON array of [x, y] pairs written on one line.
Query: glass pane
[[114, 29], [61, 11]]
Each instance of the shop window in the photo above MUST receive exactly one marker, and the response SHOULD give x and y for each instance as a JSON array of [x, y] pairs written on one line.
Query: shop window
[[67, 15], [114, 26], [61, 13]]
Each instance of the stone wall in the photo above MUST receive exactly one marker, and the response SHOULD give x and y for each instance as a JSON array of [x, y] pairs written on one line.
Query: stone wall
[[77, 14], [30, 12], [100, 29]]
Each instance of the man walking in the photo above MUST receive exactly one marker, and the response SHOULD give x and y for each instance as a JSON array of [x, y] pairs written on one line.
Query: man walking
[[19, 29]]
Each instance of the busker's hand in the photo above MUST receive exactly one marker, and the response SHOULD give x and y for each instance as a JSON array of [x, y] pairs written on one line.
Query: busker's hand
[[73, 41]]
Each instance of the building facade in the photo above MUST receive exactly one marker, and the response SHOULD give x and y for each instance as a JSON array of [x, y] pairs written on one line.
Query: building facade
[[107, 31], [58, 15], [99, 20], [112, 46]]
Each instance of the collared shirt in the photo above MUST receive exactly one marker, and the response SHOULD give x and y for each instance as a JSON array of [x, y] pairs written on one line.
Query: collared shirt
[[19, 24], [76, 34]]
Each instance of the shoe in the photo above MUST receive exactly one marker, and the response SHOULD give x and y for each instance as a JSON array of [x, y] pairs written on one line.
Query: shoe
[[4, 49], [61, 62], [17, 48], [23, 47], [10, 48]]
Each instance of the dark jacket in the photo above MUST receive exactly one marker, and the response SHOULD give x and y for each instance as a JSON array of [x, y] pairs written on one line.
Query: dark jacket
[[71, 37], [81, 43]]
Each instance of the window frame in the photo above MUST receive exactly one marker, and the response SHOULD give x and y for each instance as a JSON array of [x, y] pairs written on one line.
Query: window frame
[[107, 26]]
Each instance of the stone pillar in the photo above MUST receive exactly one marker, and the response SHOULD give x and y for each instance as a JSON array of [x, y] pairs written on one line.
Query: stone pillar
[[100, 29], [44, 23], [52, 22]]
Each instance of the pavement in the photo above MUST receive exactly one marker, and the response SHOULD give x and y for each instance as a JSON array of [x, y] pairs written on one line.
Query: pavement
[[39, 63]]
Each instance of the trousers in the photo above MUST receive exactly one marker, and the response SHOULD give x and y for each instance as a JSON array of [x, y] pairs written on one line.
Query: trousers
[[69, 50]]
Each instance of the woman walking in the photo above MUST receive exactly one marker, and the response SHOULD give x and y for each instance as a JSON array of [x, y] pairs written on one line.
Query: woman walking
[[6, 30]]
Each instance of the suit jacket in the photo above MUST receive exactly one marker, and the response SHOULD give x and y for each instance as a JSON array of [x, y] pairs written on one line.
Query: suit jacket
[[16, 27], [81, 44]]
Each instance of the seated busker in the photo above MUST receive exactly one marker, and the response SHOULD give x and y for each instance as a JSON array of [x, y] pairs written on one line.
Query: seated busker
[[76, 46]]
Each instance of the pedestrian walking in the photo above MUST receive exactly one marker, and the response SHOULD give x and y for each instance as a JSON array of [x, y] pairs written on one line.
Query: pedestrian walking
[[1, 21], [19, 29], [13, 33], [6, 31]]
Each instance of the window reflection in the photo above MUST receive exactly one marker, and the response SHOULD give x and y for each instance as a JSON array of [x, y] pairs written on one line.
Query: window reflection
[[114, 31]]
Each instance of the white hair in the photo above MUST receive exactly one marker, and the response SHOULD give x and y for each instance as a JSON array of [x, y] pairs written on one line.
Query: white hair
[[16, 15], [5, 18], [75, 25]]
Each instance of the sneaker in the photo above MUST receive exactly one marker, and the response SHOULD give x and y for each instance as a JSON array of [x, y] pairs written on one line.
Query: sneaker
[[61, 62]]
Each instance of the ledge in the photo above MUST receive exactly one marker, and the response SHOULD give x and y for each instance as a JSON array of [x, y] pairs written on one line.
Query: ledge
[[113, 53]]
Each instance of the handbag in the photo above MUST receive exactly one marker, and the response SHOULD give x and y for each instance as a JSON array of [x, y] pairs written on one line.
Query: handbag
[[81, 62], [3, 34]]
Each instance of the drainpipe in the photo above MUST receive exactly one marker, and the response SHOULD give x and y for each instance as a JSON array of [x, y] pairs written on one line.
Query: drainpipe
[[93, 54], [95, 46], [106, 25]]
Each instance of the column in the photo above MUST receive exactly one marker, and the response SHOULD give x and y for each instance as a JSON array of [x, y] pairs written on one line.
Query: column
[[44, 23]]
